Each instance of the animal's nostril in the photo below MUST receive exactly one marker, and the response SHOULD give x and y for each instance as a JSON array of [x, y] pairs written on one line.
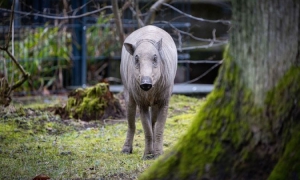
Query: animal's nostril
[[146, 87], [146, 83]]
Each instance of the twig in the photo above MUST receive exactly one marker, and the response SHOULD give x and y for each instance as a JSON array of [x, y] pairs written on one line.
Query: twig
[[186, 33], [138, 12], [204, 46], [214, 37], [135, 13], [199, 61], [211, 44], [179, 41], [196, 18], [153, 9], [81, 7], [57, 17], [125, 6], [204, 74], [140, 22]]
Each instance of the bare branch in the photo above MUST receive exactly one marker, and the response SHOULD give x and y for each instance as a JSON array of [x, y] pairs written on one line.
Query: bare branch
[[58, 17], [204, 74], [10, 25], [16, 62], [136, 13], [179, 40], [196, 18], [126, 5], [24, 77], [212, 42], [214, 37], [18, 84], [80, 7], [187, 33], [7, 89], [204, 46], [199, 61], [118, 20], [140, 22], [154, 8]]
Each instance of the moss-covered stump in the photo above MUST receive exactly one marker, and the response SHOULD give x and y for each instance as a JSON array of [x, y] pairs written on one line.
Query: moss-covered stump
[[93, 103]]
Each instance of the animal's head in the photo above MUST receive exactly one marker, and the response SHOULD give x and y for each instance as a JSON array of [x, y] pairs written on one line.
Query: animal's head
[[147, 61]]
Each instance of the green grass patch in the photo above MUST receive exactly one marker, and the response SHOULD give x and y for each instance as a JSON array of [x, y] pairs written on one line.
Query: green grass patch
[[35, 141]]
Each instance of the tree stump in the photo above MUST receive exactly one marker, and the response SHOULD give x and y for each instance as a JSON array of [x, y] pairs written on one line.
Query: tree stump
[[93, 103]]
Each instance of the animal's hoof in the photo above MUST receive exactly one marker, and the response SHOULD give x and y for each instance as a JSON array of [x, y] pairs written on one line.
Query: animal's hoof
[[127, 150], [148, 156], [156, 155]]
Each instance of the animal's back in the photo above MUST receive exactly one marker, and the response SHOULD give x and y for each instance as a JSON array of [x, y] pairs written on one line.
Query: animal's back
[[153, 33]]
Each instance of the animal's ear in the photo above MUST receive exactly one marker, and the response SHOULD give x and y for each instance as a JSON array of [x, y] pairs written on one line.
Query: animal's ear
[[130, 48], [159, 44]]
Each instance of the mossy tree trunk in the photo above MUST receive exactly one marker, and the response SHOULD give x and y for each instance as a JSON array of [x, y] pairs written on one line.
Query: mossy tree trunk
[[249, 127]]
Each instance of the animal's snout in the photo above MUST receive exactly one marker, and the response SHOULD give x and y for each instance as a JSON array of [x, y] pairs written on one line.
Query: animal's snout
[[146, 83]]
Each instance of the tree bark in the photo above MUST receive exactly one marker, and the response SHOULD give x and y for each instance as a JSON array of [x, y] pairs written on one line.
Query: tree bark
[[249, 127], [118, 20]]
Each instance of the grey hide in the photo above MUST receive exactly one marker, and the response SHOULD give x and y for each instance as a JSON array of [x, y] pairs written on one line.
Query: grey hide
[[148, 68]]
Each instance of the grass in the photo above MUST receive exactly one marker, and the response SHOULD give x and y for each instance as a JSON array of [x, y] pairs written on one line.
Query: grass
[[34, 141]]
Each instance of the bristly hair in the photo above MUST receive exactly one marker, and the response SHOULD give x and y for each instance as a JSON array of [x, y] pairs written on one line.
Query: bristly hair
[[145, 40]]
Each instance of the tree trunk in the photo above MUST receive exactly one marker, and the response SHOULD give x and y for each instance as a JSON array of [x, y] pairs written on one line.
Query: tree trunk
[[249, 127], [118, 21]]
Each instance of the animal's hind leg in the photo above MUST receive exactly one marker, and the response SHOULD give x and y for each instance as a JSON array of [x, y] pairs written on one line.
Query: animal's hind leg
[[131, 110]]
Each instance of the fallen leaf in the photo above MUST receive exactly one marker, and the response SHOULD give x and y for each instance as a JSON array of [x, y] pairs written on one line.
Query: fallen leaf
[[41, 177]]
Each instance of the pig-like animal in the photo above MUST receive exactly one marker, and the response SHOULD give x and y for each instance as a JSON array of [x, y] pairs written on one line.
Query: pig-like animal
[[148, 68]]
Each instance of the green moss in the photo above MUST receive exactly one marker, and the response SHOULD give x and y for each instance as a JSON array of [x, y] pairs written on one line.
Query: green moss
[[288, 166], [229, 135], [215, 130], [285, 124], [280, 97], [52, 148], [89, 103]]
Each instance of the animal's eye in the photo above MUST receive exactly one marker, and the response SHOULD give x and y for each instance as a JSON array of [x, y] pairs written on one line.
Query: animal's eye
[[136, 60], [154, 59]]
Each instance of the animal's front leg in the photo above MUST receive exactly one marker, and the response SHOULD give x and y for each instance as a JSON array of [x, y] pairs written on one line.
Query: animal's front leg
[[159, 129], [154, 114], [145, 118], [131, 109]]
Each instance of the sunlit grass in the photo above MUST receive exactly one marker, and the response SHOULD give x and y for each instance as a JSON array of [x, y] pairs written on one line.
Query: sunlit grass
[[37, 142]]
